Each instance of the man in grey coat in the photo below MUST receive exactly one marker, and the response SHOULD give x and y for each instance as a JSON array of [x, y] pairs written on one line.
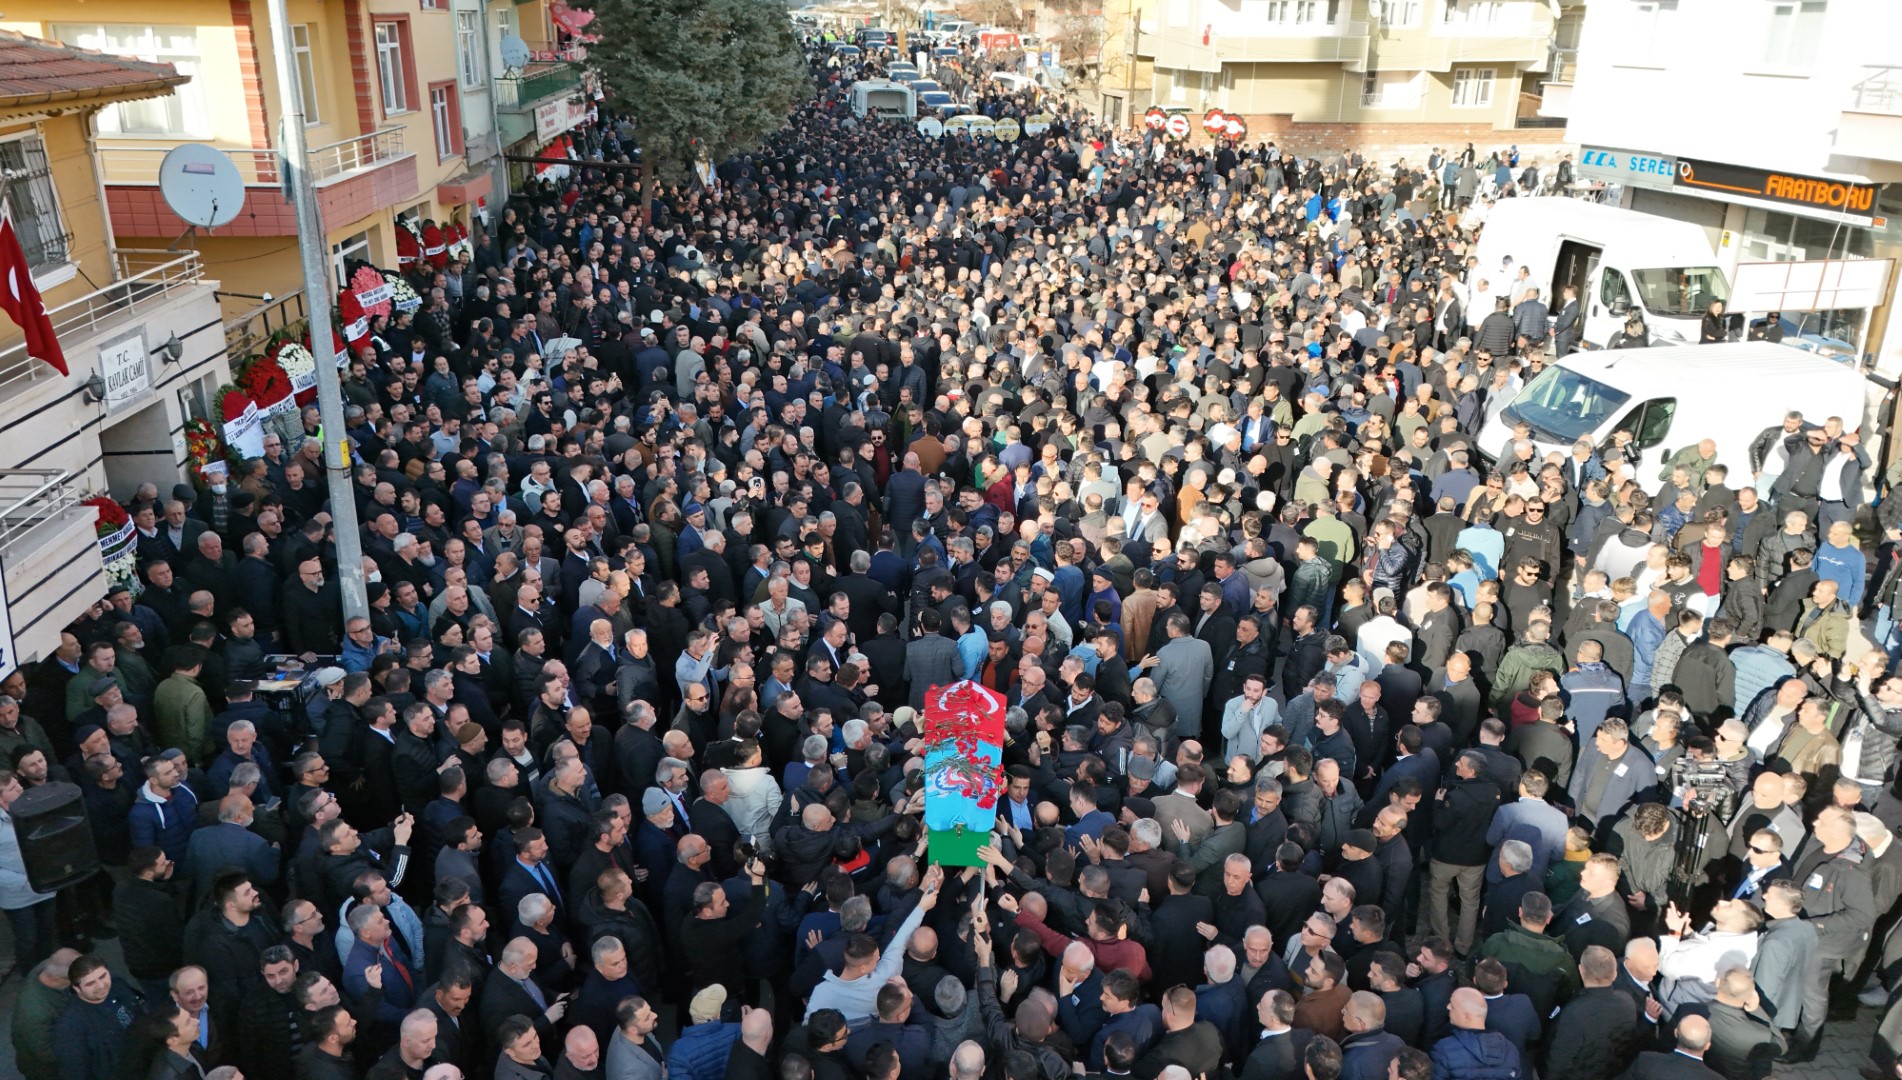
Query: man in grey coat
[[1786, 951], [930, 660], [1182, 670]]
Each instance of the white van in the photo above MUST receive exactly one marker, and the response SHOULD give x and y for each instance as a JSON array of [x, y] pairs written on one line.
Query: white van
[[1670, 398], [884, 98], [1619, 260]]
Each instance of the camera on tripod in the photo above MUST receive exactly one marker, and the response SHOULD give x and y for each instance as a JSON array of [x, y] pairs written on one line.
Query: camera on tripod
[[1705, 785]]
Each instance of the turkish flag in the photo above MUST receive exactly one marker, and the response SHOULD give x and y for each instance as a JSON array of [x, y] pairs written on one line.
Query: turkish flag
[[21, 300]]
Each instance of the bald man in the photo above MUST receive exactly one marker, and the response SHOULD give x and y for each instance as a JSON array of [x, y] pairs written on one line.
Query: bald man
[[747, 1060], [1369, 1048], [1469, 1051], [1686, 1062]]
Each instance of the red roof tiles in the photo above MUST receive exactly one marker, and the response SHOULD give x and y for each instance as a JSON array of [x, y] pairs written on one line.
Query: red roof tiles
[[34, 71]]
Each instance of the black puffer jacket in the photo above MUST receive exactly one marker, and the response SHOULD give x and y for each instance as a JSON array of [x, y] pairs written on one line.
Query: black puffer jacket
[[1881, 729], [803, 854], [635, 928]]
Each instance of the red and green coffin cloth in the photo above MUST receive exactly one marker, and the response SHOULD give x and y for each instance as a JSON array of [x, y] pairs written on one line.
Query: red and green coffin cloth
[[964, 770]]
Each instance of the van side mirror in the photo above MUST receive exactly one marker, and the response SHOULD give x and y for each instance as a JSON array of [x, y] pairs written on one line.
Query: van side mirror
[[1619, 306]]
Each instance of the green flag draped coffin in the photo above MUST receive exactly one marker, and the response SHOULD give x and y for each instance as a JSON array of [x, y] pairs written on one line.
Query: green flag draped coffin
[[964, 769]]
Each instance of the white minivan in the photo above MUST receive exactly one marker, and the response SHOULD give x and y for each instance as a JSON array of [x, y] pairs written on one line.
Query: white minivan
[[1670, 398], [1619, 260]]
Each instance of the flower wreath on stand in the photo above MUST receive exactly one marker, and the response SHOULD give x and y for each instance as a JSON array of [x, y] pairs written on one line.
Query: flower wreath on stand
[[403, 296], [291, 351], [118, 543]]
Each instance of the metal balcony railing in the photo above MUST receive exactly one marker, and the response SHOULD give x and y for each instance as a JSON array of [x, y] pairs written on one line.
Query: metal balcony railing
[[1878, 92], [142, 276], [257, 165], [251, 320], [536, 82], [350, 155], [29, 497], [134, 165]]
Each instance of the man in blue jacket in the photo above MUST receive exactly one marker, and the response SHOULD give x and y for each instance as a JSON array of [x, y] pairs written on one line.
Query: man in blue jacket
[[701, 1051], [1471, 1052], [165, 814]]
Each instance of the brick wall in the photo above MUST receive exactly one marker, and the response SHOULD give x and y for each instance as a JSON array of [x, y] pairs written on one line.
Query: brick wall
[[1385, 142], [360, 85], [253, 80]]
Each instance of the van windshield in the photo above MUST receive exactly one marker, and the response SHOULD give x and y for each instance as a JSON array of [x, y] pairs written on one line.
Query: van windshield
[[1562, 406], [1681, 290]]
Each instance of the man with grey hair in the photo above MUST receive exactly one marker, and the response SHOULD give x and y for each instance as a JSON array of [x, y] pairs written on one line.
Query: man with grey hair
[[415, 1044], [967, 1061], [1516, 879]]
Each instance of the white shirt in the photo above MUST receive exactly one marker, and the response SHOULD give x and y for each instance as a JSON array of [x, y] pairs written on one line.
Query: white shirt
[[1688, 967], [1830, 489]]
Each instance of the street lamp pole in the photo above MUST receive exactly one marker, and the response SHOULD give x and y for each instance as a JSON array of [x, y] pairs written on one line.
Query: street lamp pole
[[311, 245]]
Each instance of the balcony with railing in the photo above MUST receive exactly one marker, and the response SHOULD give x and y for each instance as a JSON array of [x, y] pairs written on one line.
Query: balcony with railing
[[534, 84], [1555, 90], [1516, 34], [353, 177], [1871, 122], [30, 498], [146, 281], [139, 165], [1181, 49], [54, 569], [251, 319]]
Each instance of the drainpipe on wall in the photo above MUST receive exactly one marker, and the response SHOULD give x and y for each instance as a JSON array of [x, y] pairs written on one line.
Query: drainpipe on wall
[[498, 168], [91, 126]]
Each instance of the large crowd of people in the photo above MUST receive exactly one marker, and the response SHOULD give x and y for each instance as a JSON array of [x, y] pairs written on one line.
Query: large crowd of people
[[1338, 745]]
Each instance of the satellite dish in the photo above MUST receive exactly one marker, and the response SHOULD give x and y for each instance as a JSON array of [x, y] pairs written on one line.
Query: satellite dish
[[515, 54], [201, 185]]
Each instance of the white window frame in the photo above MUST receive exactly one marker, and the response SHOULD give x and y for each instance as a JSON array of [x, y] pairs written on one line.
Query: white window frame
[[32, 201], [1400, 14], [303, 36], [504, 26], [185, 109], [470, 62], [1407, 93], [1297, 12], [441, 118], [1648, 26], [1467, 84], [1784, 49], [1473, 13], [357, 246], [390, 69]]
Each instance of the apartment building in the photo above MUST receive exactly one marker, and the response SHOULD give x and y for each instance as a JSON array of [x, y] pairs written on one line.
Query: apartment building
[[140, 331], [1318, 75], [1780, 133], [393, 92]]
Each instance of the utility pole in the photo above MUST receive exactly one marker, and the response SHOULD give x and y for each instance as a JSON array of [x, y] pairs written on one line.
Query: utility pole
[[312, 247]]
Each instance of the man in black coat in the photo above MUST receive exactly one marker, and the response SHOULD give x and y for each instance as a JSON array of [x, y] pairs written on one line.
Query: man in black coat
[[1278, 1055], [1191, 1043], [459, 1032], [1684, 1063], [1288, 896], [1459, 847], [1596, 914], [1597, 1030], [1744, 1043], [511, 990]]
